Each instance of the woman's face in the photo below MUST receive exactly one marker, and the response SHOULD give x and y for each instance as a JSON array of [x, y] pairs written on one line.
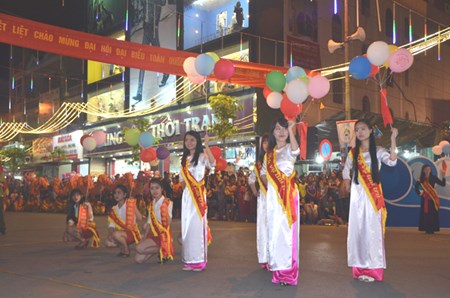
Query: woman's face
[[119, 195], [280, 133], [155, 190], [190, 142], [427, 171], [76, 197], [265, 145], [362, 131]]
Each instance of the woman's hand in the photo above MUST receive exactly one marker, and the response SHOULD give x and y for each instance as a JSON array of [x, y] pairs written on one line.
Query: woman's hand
[[394, 133]]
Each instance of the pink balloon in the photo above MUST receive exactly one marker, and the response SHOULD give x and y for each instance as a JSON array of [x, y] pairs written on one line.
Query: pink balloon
[[99, 136], [443, 143], [400, 60], [223, 69], [318, 86], [198, 79], [189, 66], [274, 100]]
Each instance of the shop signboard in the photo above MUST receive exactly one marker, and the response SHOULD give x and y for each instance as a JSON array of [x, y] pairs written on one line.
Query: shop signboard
[[41, 149], [70, 144]]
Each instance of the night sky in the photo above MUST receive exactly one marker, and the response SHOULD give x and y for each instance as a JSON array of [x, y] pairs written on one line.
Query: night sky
[[45, 11]]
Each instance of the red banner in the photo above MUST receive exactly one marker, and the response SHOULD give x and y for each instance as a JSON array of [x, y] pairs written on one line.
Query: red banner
[[71, 43], [302, 129]]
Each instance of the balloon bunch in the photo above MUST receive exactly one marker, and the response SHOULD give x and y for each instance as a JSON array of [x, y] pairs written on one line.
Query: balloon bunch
[[442, 148], [197, 69], [297, 86], [221, 164], [91, 141]]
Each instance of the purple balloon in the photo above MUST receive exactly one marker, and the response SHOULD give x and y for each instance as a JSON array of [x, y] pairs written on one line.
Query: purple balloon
[[162, 153]]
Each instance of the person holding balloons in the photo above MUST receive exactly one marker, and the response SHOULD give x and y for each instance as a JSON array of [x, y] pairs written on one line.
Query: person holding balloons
[[282, 202], [194, 226], [261, 221], [429, 206], [367, 217]]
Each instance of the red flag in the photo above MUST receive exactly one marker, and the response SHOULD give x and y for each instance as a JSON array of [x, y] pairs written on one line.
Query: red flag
[[385, 113], [302, 129]]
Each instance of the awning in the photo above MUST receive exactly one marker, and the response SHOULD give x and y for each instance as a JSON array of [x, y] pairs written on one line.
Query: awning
[[421, 134]]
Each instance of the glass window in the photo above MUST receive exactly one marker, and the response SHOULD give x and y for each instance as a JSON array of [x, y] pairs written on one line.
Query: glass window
[[365, 7], [389, 20]]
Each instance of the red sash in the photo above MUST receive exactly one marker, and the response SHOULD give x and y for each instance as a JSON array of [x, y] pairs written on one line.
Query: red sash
[[162, 230], [429, 193], [129, 223], [284, 186], [196, 189], [373, 190], [85, 224], [257, 170]]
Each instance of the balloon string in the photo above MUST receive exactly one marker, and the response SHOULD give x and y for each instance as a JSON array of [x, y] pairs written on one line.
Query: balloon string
[[305, 112]]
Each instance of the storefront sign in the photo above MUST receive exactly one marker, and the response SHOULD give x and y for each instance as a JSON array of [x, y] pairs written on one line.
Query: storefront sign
[[70, 144], [41, 149]]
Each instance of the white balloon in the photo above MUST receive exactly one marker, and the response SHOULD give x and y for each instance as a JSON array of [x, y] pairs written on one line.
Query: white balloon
[[378, 53], [89, 143], [274, 100], [297, 91], [189, 66]]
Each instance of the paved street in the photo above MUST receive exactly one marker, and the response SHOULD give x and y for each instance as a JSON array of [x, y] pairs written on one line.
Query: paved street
[[34, 262]]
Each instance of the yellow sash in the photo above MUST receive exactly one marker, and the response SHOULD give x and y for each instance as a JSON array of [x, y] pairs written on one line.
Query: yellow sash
[[85, 224], [431, 193], [196, 189], [284, 186], [129, 223], [162, 230], [257, 170], [373, 190]]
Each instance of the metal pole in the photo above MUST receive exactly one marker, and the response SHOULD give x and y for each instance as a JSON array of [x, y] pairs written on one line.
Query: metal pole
[[347, 105]]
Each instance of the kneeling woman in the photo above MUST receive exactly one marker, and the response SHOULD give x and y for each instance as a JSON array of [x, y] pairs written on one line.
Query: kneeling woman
[[123, 229], [80, 222], [157, 229]]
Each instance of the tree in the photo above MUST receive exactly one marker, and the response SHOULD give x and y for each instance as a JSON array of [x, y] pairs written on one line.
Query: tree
[[225, 111], [14, 159]]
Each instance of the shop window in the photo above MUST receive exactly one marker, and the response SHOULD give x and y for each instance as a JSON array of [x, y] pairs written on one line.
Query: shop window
[[365, 7], [336, 28], [366, 104], [389, 21], [338, 89]]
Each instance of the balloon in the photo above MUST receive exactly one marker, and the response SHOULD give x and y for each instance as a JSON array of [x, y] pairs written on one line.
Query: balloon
[[266, 91], [204, 64], [189, 66], [131, 136], [443, 143], [400, 60], [198, 79], [146, 139], [295, 72], [359, 67], [274, 100], [213, 55], [89, 143], [297, 91], [378, 53], [446, 149], [318, 87], [224, 69], [82, 139], [216, 152], [276, 81], [162, 153], [374, 70], [221, 164], [148, 154], [392, 49], [99, 136], [290, 110], [437, 150]]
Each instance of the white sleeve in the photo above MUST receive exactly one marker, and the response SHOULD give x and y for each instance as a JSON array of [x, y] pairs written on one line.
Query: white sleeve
[[347, 167], [385, 157], [169, 210]]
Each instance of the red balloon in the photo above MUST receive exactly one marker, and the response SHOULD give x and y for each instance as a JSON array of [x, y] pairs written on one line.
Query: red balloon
[[374, 70], [289, 109], [82, 139], [266, 91], [148, 154], [216, 152], [221, 164], [223, 69]]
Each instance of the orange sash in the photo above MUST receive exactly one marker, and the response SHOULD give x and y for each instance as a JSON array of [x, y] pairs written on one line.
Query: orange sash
[[284, 186], [429, 191], [85, 224], [262, 186], [196, 189], [162, 230], [129, 223], [373, 190]]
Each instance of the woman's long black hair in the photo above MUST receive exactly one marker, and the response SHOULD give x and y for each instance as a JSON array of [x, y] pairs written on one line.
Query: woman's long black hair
[[422, 173], [264, 138], [198, 148], [373, 155], [272, 142]]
